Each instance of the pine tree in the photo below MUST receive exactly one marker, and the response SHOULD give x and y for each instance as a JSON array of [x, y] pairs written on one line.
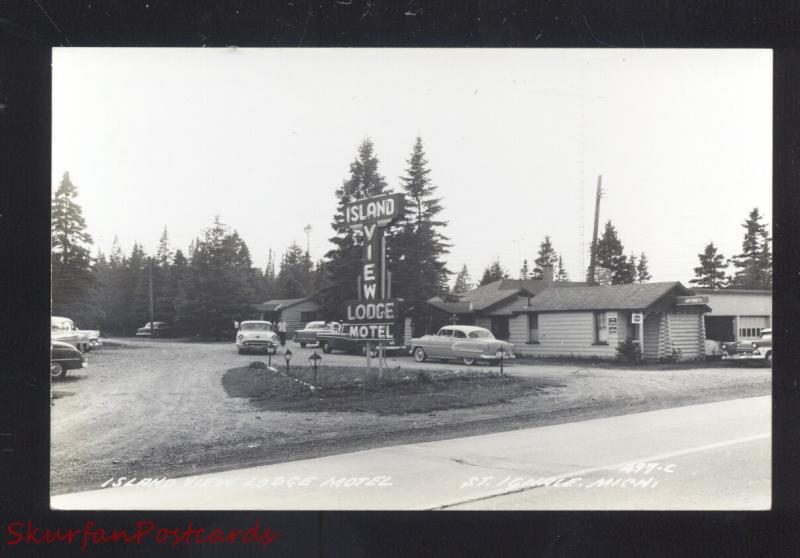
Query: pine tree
[[342, 262], [219, 285], [295, 278], [493, 272], [710, 274], [417, 238], [561, 274], [525, 273], [73, 294], [547, 256], [463, 281], [642, 269], [610, 255], [754, 263]]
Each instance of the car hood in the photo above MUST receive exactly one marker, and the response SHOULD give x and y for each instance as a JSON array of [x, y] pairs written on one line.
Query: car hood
[[61, 345]]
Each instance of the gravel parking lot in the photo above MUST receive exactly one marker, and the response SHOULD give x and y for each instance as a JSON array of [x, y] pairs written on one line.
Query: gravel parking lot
[[152, 408]]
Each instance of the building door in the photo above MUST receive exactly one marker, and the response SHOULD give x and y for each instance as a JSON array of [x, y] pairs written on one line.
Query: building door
[[720, 328]]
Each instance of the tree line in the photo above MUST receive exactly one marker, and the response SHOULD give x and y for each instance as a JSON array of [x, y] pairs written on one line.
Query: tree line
[[752, 267], [215, 282]]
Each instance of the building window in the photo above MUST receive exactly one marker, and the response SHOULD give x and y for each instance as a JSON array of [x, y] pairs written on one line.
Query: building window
[[533, 328], [750, 332], [308, 316], [600, 328]]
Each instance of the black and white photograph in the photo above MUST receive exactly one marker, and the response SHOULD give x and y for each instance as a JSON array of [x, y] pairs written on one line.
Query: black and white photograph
[[411, 279]]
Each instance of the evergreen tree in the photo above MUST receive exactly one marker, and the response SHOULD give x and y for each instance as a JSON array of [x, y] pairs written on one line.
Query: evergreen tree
[[164, 288], [642, 269], [561, 274], [463, 281], [754, 263], [525, 273], [610, 255], [710, 274], [493, 272], [342, 264], [73, 294], [417, 237], [547, 256], [219, 285], [295, 277]]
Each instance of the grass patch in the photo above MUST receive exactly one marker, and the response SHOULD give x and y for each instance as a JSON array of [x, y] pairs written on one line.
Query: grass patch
[[400, 392]]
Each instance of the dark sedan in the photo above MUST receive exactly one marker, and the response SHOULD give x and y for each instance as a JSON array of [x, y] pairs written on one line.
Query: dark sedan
[[63, 357]]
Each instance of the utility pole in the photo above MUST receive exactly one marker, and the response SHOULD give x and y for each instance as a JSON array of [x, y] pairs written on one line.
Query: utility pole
[[152, 317], [593, 258]]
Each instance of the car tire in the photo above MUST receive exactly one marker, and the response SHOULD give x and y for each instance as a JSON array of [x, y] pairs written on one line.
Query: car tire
[[373, 353], [57, 370], [325, 348], [303, 344], [494, 362], [419, 354], [769, 359], [241, 351], [468, 361]]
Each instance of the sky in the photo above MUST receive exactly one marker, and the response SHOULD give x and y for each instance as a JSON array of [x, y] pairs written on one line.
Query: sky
[[515, 140]]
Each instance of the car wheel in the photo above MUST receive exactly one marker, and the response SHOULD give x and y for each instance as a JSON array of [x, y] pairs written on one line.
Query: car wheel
[[57, 370], [241, 351], [494, 362], [468, 361], [325, 348], [373, 352], [303, 344], [419, 354], [769, 359]]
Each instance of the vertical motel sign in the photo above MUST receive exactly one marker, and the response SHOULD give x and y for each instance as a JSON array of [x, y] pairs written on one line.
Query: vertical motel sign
[[374, 316]]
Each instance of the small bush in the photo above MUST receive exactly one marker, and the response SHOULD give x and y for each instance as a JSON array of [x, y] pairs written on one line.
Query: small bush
[[629, 351], [674, 356]]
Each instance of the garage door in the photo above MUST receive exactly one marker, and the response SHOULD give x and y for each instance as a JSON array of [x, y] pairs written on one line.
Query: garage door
[[750, 326]]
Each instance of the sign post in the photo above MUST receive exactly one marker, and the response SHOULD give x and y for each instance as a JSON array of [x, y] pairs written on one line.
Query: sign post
[[374, 315]]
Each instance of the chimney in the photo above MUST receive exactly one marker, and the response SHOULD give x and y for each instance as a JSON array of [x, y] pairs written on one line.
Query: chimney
[[547, 273]]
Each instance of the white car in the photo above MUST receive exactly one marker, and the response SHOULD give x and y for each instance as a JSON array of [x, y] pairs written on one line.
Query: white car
[[65, 331], [255, 335], [462, 342]]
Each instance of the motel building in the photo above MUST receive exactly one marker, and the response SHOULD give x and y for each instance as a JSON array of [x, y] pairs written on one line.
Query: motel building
[[552, 318]]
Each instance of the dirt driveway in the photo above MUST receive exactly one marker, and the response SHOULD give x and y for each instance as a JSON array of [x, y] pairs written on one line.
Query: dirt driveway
[[152, 408]]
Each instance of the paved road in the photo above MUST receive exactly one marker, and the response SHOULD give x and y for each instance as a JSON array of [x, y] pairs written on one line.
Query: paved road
[[713, 456]]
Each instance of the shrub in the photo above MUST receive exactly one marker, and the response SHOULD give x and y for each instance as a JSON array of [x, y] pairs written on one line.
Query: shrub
[[629, 351]]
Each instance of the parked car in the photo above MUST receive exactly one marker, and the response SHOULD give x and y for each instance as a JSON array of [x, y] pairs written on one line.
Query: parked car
[[65, 331], [341, 341], [308, 334], [159, 329], [758, 350], [256, 335], [462, 342], [63, 357]]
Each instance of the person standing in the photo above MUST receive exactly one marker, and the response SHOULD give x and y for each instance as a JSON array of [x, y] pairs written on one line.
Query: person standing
[[282, 332]]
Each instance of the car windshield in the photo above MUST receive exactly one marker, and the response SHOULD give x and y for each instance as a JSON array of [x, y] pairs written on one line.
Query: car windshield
[[257, 327], [60, 325], [481, 334]]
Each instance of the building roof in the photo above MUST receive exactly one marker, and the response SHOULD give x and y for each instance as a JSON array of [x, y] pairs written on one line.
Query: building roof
[[702, 290], [635, 296], [486, 296], [275, 305]]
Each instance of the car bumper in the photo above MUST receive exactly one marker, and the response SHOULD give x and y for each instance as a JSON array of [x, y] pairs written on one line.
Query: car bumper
[[493, 356], [745, 356], [255, 344]]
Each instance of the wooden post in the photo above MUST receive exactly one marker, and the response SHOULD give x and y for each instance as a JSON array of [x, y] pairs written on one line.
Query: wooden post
[[593, 258], [380, 361]]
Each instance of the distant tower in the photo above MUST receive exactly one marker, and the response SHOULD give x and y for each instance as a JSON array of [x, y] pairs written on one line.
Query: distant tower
[[307, 230]]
